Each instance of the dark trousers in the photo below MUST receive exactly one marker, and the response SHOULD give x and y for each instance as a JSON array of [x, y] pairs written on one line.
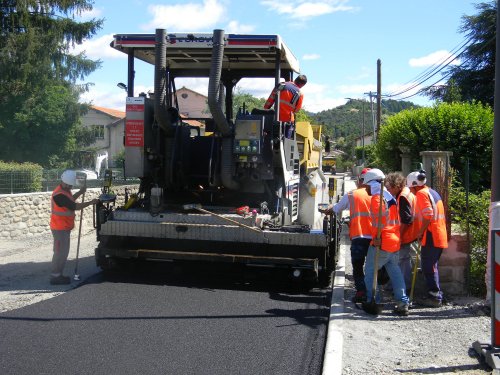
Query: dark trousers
[[359, 250], [430, 257], [60, 251]]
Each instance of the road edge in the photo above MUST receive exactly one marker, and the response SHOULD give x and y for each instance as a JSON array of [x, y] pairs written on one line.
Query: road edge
[[332, 362]]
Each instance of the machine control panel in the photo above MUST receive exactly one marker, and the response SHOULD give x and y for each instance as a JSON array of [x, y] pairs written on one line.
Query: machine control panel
[[248, 136]]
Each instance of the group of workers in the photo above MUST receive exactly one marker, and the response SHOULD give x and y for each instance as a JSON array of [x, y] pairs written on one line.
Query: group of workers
[[391, 217]]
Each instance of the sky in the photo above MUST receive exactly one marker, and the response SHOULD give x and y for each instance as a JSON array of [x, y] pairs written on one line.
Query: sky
[[337, 43]]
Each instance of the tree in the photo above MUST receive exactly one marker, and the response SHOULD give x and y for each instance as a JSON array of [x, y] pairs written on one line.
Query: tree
[[39, 107], [466, 129], [474, 77], [247, 101]]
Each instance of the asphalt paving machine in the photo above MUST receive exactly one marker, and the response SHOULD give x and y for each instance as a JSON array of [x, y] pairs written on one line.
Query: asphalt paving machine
[[228, 187]]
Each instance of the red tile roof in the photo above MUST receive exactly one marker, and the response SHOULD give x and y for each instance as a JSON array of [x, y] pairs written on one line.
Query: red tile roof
[[109, 111]]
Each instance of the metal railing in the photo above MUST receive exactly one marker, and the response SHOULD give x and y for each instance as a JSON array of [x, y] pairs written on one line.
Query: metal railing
[[14, 182]]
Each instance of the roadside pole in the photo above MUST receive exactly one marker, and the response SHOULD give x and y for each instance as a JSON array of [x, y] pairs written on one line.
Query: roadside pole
[[491, 352]]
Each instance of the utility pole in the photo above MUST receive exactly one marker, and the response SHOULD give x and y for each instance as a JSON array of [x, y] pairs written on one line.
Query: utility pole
[[379, 95], [371, 95], [363, 134]]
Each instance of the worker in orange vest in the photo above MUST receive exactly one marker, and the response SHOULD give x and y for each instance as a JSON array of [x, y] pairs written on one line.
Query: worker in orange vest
[[388, 244], [290, 101], [360, 230], [62, 221], [395, 183], [432, 233]]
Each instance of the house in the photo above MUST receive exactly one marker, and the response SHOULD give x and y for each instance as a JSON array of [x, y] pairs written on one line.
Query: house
[[192, 104], [108, 126], [368, 140]]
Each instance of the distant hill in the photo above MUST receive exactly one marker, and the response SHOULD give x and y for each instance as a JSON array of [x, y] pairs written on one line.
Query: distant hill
[[346, 120]]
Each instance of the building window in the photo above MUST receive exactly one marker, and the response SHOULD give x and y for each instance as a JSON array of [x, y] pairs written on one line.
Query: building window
[[98, 131], [184, 95]]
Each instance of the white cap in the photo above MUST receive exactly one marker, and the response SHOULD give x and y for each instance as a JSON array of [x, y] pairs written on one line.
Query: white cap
[[69, 177], [415, 179], [373, 174]]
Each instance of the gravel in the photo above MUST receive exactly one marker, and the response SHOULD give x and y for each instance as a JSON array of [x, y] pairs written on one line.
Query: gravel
[[428, 341]]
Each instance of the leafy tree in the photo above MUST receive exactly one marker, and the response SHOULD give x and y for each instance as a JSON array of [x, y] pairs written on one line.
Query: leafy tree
[[474, 77], [245, 100], [466, 129], [39, 107]]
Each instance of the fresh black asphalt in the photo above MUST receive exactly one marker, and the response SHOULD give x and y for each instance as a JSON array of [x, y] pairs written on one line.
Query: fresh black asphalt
[[170, 320]]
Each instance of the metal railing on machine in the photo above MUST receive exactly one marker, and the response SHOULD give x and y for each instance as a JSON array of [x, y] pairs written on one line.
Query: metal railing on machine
[[14, 182]]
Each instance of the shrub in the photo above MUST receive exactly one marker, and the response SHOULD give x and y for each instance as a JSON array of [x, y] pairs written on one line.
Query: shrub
[[474, 218], [20, 177]]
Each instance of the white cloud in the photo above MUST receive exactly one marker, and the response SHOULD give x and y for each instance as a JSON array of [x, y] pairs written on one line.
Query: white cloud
[[235, 27], [89, 14], [99, 48], [109, 96], [190, 16], [434, 58], [301, 9], [311, 56]]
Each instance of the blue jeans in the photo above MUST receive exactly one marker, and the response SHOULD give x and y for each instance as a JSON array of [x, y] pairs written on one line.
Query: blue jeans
[[390, 261], [359, 249], [405, 262]]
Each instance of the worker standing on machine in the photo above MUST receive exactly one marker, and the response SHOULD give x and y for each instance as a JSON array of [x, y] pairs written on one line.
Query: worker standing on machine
[[360, 230], [62, 221], [290, 102]]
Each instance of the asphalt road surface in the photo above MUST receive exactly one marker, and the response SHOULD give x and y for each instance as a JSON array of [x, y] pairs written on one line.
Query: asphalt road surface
[[166, 319]]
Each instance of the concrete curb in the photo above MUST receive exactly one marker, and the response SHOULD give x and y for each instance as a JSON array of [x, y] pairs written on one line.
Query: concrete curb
[[332, 362]]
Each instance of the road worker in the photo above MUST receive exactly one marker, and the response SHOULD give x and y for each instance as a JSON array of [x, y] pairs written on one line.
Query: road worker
[[388, 243], [290, 101], [62, 221], [360, 232], [432, 233], [395, 183]]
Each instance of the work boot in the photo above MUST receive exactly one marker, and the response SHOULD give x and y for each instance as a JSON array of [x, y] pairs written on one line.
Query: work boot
[[401, 309], [359, 297], [60, 280]]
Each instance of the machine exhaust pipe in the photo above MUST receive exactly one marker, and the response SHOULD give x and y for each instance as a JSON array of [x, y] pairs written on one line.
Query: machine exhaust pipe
[[215, 104], [161, 114]]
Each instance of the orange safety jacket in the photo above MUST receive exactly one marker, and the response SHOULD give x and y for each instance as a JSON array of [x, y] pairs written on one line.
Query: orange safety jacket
[[390, 226], [360, 225], [411, 232], [290, 100], [430, 206], [61, 218]]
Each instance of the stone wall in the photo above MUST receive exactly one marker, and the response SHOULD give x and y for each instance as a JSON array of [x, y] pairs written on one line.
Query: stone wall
[[28, 215]]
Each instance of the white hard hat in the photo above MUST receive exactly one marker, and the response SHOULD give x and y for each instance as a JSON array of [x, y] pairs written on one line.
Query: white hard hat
[[69, 177], [416, 179], [373, 174]]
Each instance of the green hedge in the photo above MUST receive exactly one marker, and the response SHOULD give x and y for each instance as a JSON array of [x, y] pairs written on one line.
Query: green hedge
[[476, 217], [20, 177]]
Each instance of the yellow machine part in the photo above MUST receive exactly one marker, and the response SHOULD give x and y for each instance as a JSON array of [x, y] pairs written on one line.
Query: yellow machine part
[[309, 142]]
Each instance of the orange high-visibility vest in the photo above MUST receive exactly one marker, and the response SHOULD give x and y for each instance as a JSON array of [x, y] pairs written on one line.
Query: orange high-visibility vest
[[61, 218], [290, 100], [390, 226], [430, 206], [411, 232], [360, 225]]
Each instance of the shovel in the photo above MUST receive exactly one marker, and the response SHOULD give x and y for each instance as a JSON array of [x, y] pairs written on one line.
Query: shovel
[[414, 275], [77, 276], [198, 208], [372, 307]]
